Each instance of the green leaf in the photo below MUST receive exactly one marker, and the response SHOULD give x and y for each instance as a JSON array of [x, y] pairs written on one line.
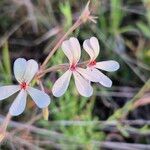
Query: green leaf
[[116, 14], [6, 62], [66, 11], [144, 29]]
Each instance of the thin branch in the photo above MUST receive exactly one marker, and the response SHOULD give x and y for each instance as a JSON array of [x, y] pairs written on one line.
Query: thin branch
[[58, 67], [76, 25], [83, 18], [123, 112], [104, 123], [6, 36], [122, 146]]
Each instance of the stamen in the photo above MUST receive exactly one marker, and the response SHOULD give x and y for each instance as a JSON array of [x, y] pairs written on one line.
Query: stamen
[[73, 67], [92, 63], [23, 85]]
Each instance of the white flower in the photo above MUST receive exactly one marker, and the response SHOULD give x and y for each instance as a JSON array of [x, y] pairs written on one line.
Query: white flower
[[72, 50], [24, 72], [92, 73]]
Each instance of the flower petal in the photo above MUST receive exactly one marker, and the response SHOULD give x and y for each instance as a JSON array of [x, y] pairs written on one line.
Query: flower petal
[[91, 46], [109, 65], [19, 68], [6, 91], [76, 49], [61, 84], [72, 50], [87, 47], [41, 99], [86, 73], [19, 104], [98, 76], [31, 70], [67, 50], [83, 86], [95, 45]]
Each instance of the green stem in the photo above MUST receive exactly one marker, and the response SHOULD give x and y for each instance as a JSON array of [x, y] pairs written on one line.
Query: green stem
[[123, 112]]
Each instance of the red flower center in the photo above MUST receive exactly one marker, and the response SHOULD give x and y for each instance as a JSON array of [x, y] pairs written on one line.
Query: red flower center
[[73, 67], [92, 63], [23, 85]]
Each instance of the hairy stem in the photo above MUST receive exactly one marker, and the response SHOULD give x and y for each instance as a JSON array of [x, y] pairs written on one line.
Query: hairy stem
[[75, 26], [83, 18], [59, 67]]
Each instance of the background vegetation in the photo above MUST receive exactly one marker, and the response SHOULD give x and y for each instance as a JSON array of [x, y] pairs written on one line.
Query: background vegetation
[[119, 114]]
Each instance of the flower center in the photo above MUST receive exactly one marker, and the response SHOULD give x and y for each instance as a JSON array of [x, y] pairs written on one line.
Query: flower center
[[73, 67], [92, 63], [23, 85]]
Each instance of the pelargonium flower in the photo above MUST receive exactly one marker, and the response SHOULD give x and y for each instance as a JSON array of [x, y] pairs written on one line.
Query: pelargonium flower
[[91, 46], [24, 72], [72, 50]]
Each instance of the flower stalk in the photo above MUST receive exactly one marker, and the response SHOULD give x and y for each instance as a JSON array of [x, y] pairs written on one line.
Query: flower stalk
[[83, 18], [4, 126], [75, 26], [45, 111]]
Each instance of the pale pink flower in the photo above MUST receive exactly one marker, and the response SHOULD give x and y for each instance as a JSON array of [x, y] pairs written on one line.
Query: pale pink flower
[[24, 72], [91, 46], [72, 50]]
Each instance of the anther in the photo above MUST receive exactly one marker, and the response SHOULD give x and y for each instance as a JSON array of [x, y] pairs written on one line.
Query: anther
[[23, 85]]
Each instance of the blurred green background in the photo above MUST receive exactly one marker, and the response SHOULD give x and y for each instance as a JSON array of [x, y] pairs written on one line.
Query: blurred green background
[[30, 29]]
